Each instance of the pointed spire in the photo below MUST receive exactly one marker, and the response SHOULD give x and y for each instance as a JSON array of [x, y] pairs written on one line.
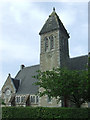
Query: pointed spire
[[53, 23], [53, 9], [9, 75]]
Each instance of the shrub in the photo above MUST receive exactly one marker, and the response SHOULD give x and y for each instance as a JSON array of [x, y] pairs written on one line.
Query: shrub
[[44, 112]]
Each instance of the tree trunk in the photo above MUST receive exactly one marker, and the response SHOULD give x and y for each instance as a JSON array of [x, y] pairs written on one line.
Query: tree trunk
[[78, 105], [77, 102], [65, 102]]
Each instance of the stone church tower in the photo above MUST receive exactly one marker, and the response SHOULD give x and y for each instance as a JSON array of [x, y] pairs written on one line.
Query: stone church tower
[[54, 43], [20, 90], [54, 49]]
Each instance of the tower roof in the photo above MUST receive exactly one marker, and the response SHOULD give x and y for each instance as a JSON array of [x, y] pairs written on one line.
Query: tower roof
[[53, 23]]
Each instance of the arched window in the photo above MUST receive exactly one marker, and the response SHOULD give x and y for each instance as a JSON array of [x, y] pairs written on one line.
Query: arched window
[[51, 42], [32, 99], [22, 98], [37, 99], [18, 99], [46, 43]]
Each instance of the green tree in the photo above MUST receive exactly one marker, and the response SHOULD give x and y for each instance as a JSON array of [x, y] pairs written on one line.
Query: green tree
[[89, 77], [2, 101], [63, 83]]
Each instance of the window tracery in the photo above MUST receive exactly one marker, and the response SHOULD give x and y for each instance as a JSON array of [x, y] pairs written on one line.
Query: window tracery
[[46, 43], [51, 42]]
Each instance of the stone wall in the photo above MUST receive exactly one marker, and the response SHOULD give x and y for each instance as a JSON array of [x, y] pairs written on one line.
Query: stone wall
[[8, 85], [50, 58]]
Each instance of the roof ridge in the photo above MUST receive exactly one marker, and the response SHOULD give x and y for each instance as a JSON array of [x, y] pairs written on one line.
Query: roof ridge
[[79, 56], [26, 68], [53, 23], [32, 66]]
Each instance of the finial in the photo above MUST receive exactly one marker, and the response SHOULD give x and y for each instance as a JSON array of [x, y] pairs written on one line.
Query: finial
[[53, 8], [9, 74]]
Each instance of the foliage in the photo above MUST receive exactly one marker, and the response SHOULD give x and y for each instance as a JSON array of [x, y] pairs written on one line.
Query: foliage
[[2, 101], [63, 83], [43, 112], [88, 63], [89, 78]]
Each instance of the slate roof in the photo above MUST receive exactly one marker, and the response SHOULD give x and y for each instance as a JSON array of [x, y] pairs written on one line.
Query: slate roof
[[78, 63], [26, 85], [25, 75], [53, 23], [16, 83]]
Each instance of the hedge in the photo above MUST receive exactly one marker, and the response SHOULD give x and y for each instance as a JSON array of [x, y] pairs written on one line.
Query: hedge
[[44, 113]]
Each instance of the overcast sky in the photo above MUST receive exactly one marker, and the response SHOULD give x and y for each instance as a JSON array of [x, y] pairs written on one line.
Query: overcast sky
[[20, 24]]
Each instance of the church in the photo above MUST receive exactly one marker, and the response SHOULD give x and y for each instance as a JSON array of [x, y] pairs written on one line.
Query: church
[[21, 91]]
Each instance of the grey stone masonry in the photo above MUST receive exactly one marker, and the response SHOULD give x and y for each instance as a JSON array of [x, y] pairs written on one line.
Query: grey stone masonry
[[59, 55]]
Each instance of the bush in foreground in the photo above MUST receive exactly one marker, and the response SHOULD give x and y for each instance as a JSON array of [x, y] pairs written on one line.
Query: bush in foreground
[[44, 112]]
